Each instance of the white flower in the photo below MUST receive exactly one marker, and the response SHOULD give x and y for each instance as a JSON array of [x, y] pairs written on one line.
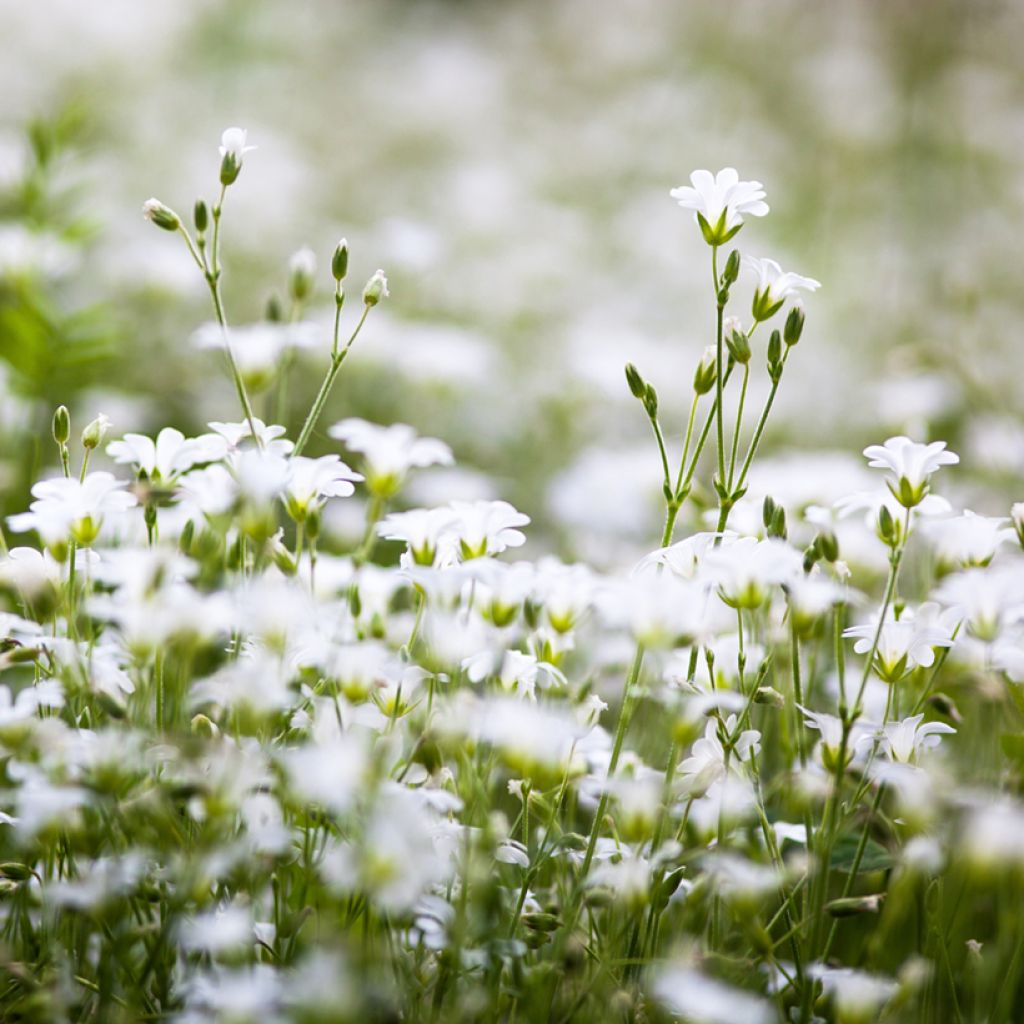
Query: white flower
[[390, 452], [487, 527], [707, 762], [699, 999], [271, 438], [232, 143], [774, 286], [172, 453], [719, 201], [259, 348], [968, 539], [312, 481], [746, 570], [904, 741], [906, 643], [68, 509], [910, 466], [858, 995], [424, 530]]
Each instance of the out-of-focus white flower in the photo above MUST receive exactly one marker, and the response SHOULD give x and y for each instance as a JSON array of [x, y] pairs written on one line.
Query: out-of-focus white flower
[[747, 570], [857, 995], [425, 531], [910, 466], [663, 611], [699, 999], [232, 143], [258, 349], [719, 202], [487, 527], [216, 932], [390, 452], [968, 539], [68, 509], [774, 286], [330, 775], [904, 741], [989, 600]]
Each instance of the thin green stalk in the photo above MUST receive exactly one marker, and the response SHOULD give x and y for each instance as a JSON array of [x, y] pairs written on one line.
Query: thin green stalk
[[337, 358]]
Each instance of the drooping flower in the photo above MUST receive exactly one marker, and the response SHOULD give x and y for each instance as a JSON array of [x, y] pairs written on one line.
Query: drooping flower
[[774, 286], [719, 202], [910, 466]]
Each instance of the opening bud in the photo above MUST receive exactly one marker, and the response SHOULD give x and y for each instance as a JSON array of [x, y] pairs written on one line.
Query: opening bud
[[162, 216], [301, 273], [376, 289], [704, 375], [92, 436]]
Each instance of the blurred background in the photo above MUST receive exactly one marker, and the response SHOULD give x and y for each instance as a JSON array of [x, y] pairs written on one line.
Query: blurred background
[[509, 165]]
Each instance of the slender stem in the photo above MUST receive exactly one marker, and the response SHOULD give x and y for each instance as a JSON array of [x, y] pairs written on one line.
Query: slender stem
[[739, 423], [337, 358]]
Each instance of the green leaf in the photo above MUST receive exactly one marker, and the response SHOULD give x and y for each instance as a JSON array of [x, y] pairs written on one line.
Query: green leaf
[[876, 857]]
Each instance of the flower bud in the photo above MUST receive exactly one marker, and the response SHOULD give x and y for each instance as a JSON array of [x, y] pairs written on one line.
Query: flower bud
[[770, 696], [339, 261], [636, 383], [732, 267], [162, 216], [92, 436], [794, 326], [273, 313], [200, 216], [61, 425], [301, 273], [650, 401], [739, 346], [775, 357], [828, 545], [376, 289], [704, 375], [203, 726], [852, 905]]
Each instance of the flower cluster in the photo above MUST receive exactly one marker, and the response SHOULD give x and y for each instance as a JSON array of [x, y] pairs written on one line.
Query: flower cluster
[[253, 770]]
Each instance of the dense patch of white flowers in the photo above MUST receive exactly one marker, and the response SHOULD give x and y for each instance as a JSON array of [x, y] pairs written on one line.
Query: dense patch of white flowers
[[251, 775]]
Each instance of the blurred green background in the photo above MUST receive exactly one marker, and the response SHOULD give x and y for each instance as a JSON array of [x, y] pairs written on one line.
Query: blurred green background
[[509, 165]]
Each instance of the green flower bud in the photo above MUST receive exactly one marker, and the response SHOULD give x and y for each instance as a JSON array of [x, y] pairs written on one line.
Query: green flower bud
[[828, 545], [768, 511], [739, 346], [339, 261], [636, 383], [273, 313], [200, 216], [162, 216], [794, 326], [61, 425], [732, 267], [650, 401]]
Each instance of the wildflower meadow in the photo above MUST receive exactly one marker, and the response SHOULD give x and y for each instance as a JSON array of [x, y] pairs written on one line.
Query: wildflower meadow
[[303, 722]]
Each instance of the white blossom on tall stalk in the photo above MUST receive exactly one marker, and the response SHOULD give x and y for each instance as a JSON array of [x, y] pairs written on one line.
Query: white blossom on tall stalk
[[719, 202], [909, 466]]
